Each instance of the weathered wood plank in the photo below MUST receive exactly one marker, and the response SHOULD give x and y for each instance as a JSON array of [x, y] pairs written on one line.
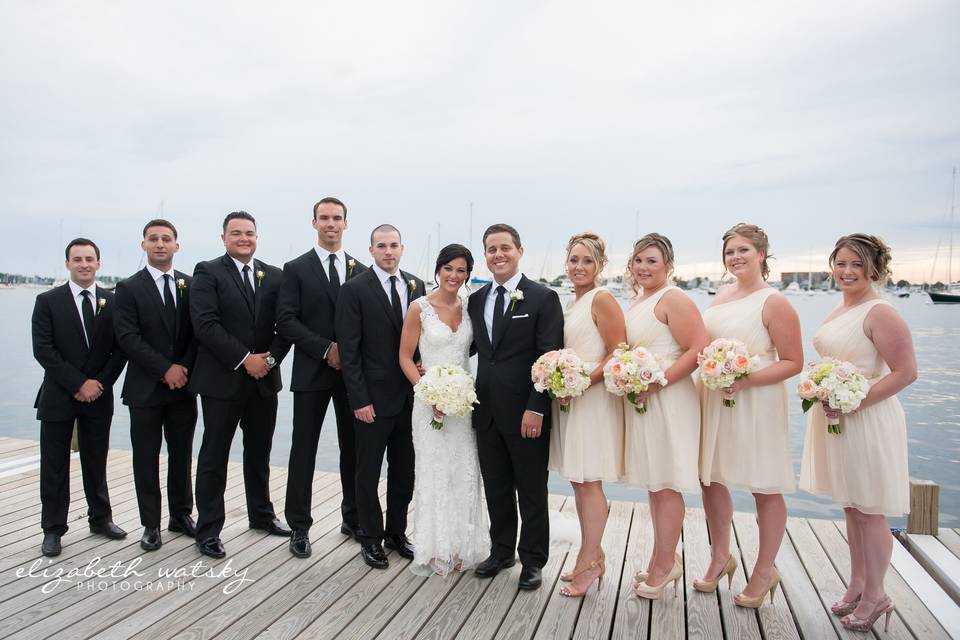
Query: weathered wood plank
[[703, 609], [937, 560], [596, 614], [737, 622], [631, 621]]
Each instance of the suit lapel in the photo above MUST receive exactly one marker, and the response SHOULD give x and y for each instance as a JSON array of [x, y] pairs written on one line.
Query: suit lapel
[[234, 275], [381, 295], [508, 311], [350, 270], [258, 298], [74, 313], [183, 308], [154, 295], [476, 316], [321, 272]]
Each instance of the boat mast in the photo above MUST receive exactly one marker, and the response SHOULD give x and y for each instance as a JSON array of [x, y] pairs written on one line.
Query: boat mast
[[953, 198]]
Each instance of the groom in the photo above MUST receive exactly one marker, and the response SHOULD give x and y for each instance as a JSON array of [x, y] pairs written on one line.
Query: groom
[[514, 322], [370, 312]]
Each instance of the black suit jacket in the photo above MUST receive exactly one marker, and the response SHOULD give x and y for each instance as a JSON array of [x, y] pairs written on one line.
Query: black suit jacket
[[534, 326], [306, 311], [151, 344], [227, 327], [61, 349], [369, 340]]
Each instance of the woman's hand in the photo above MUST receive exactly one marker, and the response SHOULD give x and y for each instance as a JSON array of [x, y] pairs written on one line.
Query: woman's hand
[[832, 414], [738, 385], [437, 414]]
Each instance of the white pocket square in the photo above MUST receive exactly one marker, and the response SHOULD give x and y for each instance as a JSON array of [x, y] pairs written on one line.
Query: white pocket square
[[526, 315]]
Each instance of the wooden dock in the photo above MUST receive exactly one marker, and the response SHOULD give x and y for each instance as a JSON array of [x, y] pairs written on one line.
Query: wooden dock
[[112, 589]]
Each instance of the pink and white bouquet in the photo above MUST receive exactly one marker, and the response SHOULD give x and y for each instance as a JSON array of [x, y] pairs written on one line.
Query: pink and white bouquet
[[630, 372], [561, 374], [447, 389], [723, 362], [836, 382]]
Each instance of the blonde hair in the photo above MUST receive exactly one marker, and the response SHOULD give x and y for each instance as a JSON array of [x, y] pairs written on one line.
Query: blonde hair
[[594, 246], [755, 236], [874, 252], [662, 243]]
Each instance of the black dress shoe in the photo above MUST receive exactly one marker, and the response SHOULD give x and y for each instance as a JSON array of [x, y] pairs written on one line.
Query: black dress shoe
[[300, 543], [273, 527], [492, 566], [183, 524], [51, 545], [211, 547], [109, 530], [374, 556], [399, 543], [530, 578], [151, 539]]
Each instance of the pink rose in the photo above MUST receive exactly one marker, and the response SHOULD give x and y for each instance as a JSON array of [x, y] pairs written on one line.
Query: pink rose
[[807, 389]]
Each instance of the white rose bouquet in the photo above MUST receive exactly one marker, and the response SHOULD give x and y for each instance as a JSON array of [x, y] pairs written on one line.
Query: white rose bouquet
[[723, 362], [449, 390], [835, 382], [630, 372], [561, 374]]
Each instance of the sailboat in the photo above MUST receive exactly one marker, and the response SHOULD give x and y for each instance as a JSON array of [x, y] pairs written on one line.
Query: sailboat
[[952, 293]]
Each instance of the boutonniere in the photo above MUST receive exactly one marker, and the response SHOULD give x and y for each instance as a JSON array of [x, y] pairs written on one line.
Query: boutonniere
[[181, 285], [351, 263], [260, 275], [413, 285], [101, 303], [515, 296]]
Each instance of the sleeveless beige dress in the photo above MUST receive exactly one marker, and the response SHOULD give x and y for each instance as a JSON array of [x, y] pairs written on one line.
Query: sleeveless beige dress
[[865, 466], [746, 446], [586, 443], [662, 445]]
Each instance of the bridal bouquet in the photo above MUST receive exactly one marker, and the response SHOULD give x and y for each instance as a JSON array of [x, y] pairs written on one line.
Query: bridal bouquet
[[836, 382], [723, 362], [562, 374], [447, 389], [630, 372]]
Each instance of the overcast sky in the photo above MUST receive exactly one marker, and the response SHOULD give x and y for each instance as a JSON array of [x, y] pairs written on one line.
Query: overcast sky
[[813, 119]]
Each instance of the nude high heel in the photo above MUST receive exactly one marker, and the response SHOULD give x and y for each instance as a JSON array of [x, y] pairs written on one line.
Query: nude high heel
[[842, 608], [709, 586], [600, 566], [640, 576], [884, 608], [754, 603], [650, 592], [567, 577]]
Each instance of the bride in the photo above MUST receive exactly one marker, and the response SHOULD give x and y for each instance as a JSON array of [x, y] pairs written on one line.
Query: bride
[[450, 524]]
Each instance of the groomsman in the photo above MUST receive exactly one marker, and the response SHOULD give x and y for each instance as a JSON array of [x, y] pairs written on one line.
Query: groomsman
[[152, 323], [370, 313], [73, 341], [233, 308], [515, 321], [305, 317]]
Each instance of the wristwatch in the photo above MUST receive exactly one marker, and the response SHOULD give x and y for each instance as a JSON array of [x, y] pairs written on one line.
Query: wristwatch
[[271, 361]]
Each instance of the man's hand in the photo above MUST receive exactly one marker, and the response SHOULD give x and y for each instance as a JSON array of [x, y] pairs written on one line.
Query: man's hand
[[531, 424], [89, 391], [175, 377], [365, 414], [256, 365], [333, 356]]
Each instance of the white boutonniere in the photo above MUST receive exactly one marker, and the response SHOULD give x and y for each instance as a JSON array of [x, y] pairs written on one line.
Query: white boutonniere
[[351, 263], [413, 285], [515, 296], [181, 286], [101, 303], [260, 276]]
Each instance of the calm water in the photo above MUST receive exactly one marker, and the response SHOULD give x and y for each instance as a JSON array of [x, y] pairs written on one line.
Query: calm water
[[933, 413]]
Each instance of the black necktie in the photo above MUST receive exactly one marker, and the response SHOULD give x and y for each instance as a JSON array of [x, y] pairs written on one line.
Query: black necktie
[[248, 283], [88, 316], [498, 321], [333, 276], [169, 306], [395, 300]]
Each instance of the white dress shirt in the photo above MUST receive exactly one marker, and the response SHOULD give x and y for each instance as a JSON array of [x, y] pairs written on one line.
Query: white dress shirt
[[511, 286], [157, 276], [77, 292], [339, 263], [402, 286], [253, 271]]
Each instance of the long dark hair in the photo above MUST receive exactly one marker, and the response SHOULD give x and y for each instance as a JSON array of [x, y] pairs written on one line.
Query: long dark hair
[[450, 253]]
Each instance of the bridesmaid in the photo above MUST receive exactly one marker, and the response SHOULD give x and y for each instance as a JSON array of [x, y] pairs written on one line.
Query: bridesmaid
[[586, 443], [747, 446], [864, 468], [663, 445]]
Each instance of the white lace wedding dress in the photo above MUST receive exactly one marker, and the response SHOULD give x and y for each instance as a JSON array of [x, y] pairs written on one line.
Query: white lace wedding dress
[[450, 526]]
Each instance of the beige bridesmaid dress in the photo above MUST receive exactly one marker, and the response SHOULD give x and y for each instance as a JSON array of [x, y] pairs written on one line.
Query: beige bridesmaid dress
[[586, 443], [746, 446], [865, 466], [662, 446]]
